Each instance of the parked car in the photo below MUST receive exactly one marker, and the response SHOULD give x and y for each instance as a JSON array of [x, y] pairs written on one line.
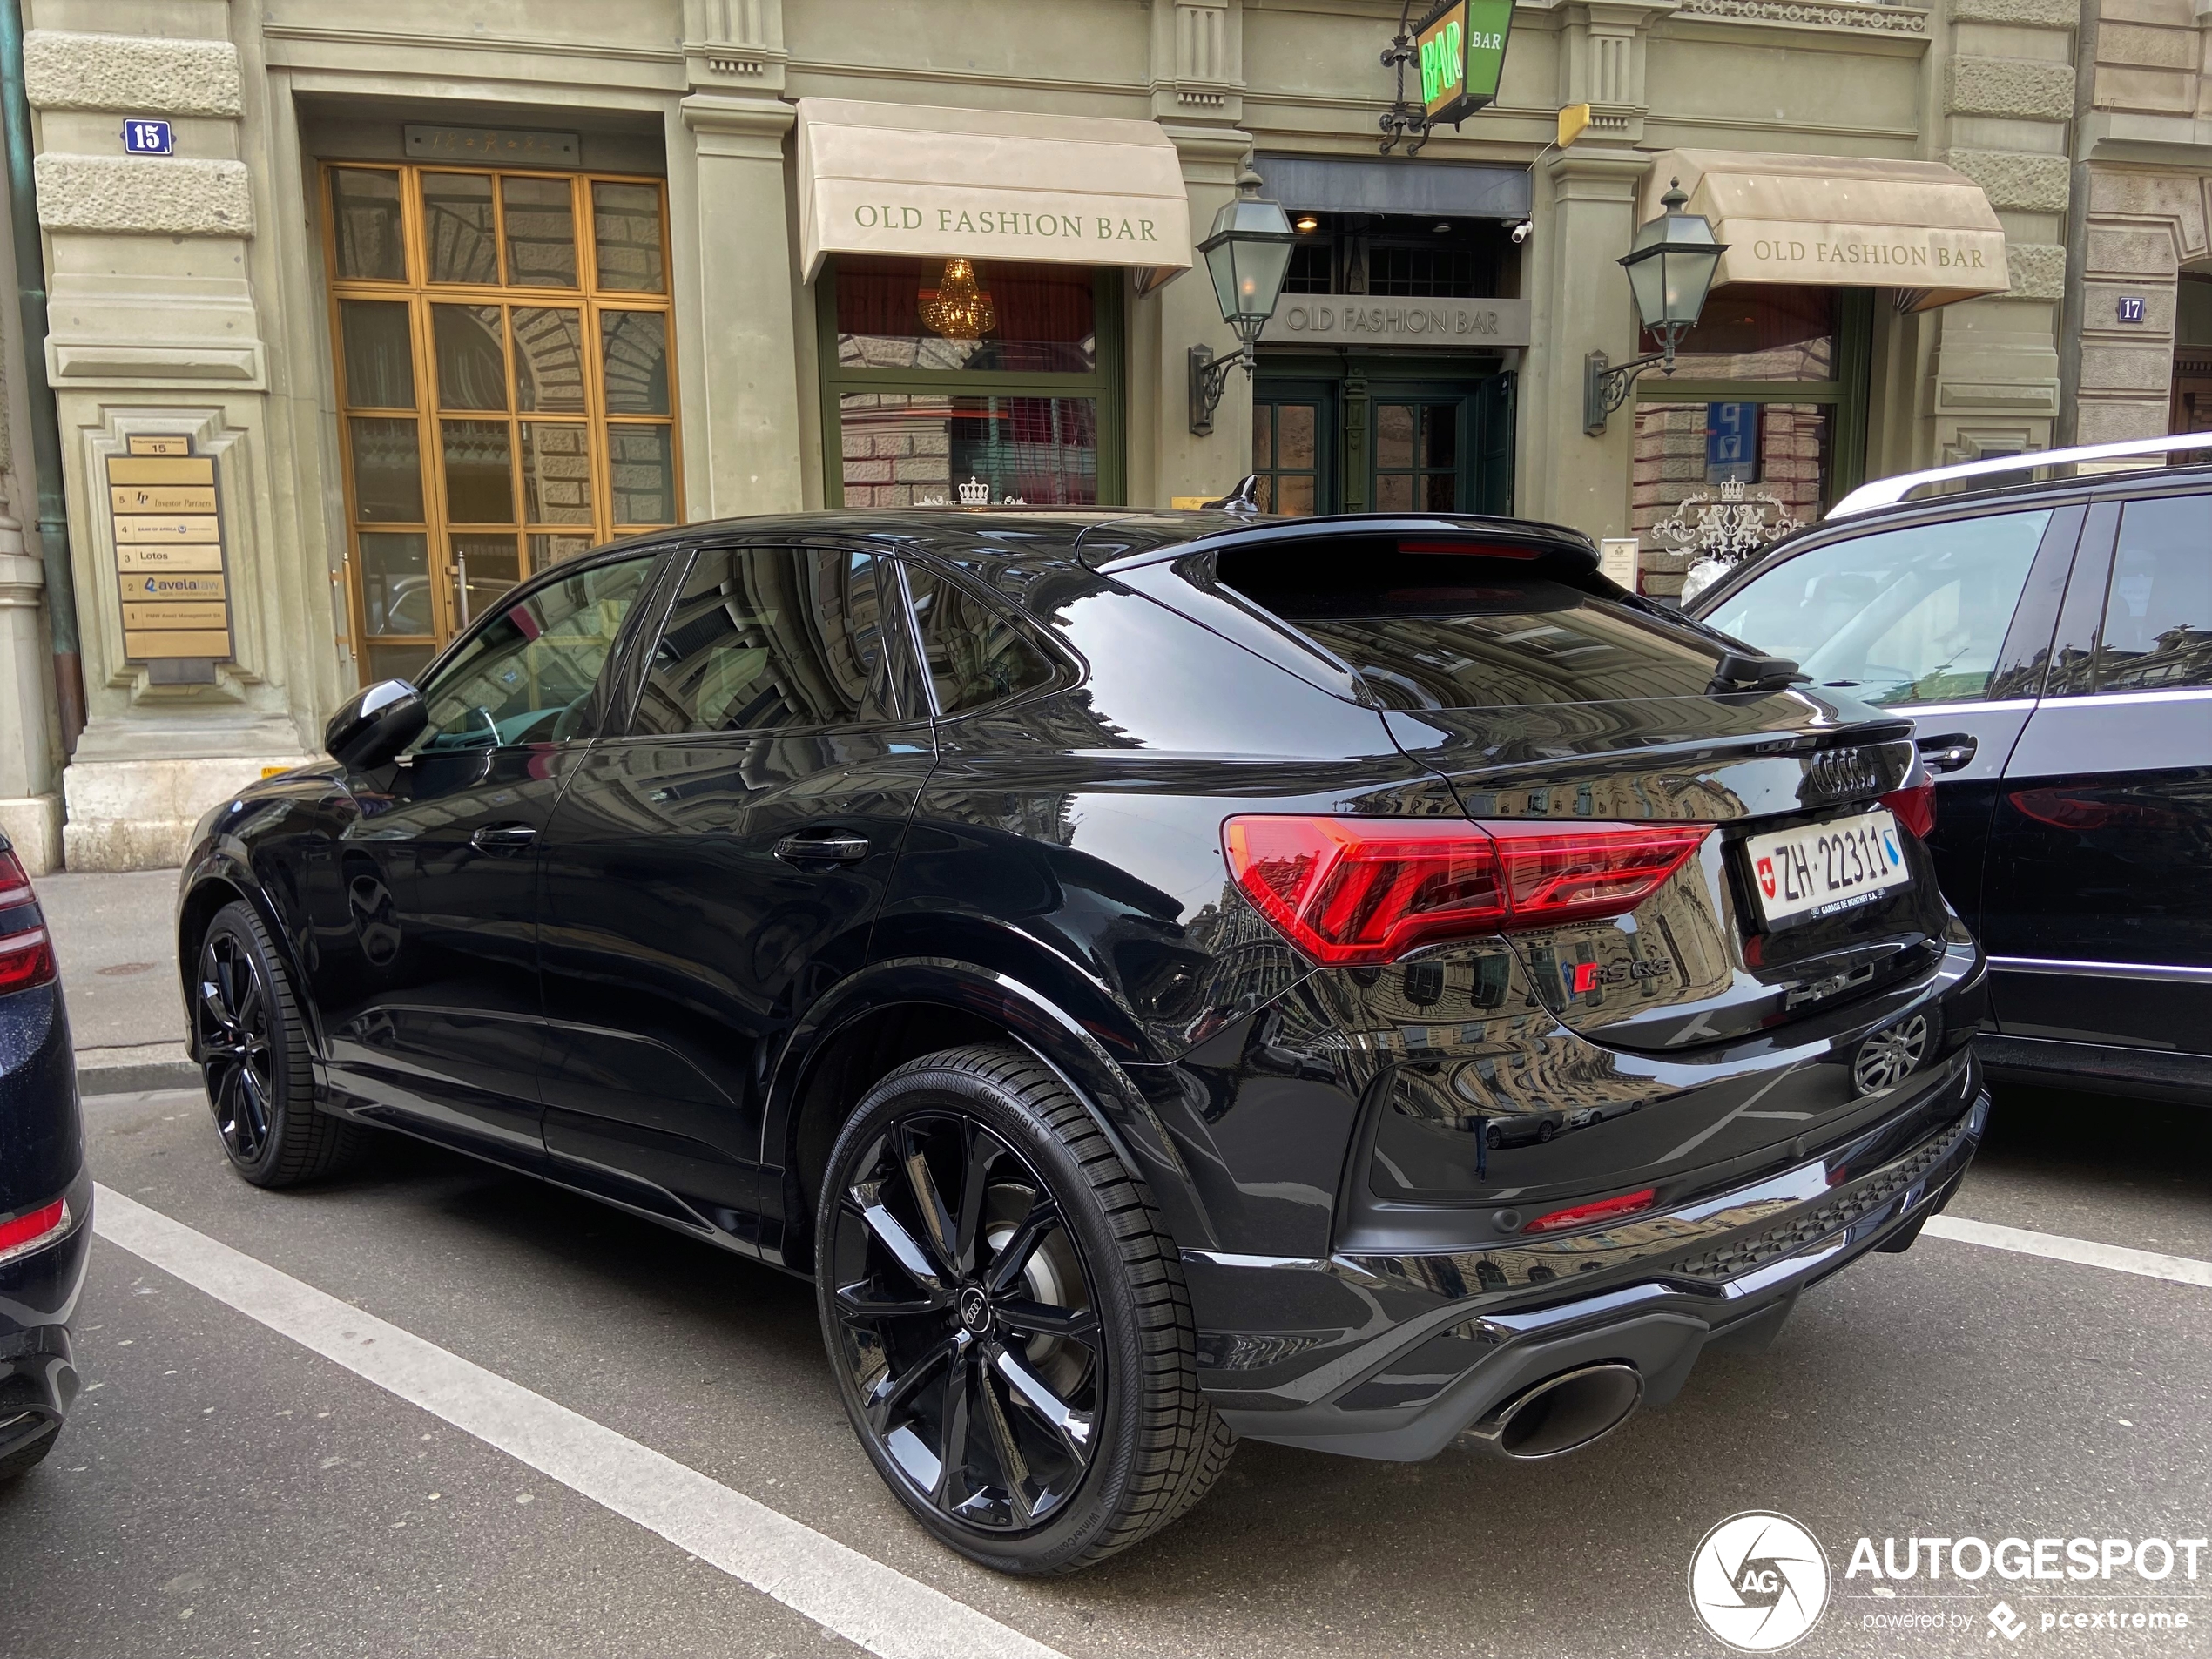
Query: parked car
[[1093, 947], [45, 1188], [2052, 641]]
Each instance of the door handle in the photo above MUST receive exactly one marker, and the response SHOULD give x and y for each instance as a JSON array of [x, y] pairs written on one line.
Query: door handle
[[833, 847], [503, 838], [1948, 753]]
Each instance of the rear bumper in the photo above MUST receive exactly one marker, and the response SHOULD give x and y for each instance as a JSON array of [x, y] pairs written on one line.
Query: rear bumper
[[1441, 1351], [38, 1296]]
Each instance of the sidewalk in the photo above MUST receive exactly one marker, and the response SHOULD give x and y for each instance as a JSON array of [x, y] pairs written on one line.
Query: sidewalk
[[118, 965]]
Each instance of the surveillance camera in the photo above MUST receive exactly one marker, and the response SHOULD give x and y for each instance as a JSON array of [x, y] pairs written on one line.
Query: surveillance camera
[[1521, 233]]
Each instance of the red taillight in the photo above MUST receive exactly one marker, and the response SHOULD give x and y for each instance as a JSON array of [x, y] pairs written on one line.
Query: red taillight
[[34, 1231], [1583, 1215], [14, 885], [1352, 890], [26, 959], [1914, 806], [1473, 549]]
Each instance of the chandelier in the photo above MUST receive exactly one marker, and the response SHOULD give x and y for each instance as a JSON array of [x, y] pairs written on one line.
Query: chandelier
[[957, 307]]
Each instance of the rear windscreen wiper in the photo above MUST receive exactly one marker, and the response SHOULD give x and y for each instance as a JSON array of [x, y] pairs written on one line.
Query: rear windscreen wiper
[[1740, 670]]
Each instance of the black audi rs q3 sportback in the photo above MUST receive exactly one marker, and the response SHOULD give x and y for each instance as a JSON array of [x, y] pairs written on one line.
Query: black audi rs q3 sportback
[[1362, 983]]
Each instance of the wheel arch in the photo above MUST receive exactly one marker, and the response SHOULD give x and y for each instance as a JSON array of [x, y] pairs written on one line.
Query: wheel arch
[[218, 875], [898, 1010]]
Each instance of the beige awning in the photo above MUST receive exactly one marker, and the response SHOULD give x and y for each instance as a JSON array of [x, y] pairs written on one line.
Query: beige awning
[[989, 184], [1841, 221]]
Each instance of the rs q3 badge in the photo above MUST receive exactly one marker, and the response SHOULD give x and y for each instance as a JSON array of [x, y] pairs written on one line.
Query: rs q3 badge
[[1584, 977]]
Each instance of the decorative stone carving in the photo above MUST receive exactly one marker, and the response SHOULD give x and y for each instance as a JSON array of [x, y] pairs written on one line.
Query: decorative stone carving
[[136, 74], [133, 195], [735, 44], [1197, 58], [1854, 14]]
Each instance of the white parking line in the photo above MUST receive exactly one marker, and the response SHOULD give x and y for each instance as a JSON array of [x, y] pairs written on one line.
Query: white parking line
[[2057, 1247], [851, 1595]]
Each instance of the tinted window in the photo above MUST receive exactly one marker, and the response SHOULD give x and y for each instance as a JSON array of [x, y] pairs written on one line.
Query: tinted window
[[1906, 615], [768, 639], [977, 654], [1435, 631], [2158, 615], [528, 677]]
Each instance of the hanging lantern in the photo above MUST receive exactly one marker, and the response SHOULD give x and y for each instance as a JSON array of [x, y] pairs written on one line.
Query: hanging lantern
[[958, 307]]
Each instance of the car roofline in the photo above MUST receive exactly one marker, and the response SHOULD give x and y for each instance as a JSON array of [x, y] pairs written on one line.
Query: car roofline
[[1893, 491], [1351, 526]]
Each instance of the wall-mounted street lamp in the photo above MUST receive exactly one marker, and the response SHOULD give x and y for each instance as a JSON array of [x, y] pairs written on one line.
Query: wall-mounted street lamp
[[1247, 256], [1669, 268]]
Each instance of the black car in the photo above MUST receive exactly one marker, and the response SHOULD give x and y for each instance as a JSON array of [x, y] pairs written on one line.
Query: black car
[[45, 1188], [2053, 643], [1095, 948]]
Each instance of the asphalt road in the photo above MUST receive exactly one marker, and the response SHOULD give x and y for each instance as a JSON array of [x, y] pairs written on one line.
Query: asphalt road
[[224, 1490]]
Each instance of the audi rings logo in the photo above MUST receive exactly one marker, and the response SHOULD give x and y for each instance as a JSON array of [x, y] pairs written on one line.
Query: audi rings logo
[[1835, 773], [1758, 1581], [1890, 1056]]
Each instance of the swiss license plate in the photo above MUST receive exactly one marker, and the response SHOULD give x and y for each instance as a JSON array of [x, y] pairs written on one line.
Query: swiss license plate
[[1823, 869]]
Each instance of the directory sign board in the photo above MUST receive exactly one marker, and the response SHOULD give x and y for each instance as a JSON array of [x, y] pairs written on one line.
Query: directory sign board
[[169, 551]]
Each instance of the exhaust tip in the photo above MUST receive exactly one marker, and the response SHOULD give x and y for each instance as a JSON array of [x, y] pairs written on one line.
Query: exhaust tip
[[1563, 1414]]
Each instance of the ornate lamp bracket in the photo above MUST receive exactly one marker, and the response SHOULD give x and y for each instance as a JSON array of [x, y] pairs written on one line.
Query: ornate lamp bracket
[[1605, 385], [1209, 374]]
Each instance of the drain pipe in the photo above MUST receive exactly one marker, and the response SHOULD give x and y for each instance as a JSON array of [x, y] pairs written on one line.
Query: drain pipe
[[45, 429]]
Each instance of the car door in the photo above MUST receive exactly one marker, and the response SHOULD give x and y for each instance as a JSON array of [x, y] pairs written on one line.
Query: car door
[[430, 997], [1947, 619], [2099, 920], [715, 868]]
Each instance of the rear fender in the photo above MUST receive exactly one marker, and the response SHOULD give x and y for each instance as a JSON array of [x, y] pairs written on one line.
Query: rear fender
[[967, 994]]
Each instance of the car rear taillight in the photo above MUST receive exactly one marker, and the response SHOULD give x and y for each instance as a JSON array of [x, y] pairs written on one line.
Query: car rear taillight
[[26, 955], [14, 885], [1583, 1215], [26, 959], [1351, 890], [1915, 807], [33, 1231]]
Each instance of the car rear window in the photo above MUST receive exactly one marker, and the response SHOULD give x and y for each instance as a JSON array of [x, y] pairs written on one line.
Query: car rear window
[[1448, 632]]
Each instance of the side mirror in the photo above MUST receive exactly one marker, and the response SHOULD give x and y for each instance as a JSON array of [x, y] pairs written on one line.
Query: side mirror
[[376, 723]]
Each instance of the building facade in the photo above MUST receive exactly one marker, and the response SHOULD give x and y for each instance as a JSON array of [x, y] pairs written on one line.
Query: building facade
[[421, 300]]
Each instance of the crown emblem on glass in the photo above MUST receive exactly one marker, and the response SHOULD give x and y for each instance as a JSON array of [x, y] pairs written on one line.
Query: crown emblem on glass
[[975, 494]]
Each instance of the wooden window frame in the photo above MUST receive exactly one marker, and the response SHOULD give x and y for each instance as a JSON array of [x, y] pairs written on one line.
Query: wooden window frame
[[589, 300]]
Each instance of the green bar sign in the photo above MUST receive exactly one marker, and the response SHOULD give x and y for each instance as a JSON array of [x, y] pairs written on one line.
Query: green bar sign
[[1462, 53]]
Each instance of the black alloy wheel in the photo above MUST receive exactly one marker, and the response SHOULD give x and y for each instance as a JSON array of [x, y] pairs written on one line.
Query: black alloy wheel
[[1007, 1323], [967, 1321], [234, 1059], [253, 1050]]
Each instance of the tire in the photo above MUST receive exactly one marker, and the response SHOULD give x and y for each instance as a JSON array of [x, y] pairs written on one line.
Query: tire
[[24, 1459], [253, 1059], [1041, 1324]]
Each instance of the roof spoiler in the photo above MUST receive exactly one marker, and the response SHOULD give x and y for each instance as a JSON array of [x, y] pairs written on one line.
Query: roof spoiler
[[1886, 492]]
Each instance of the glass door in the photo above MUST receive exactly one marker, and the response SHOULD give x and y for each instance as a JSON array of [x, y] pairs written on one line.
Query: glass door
[[1419, 454], [1294, 447], [503, 343]]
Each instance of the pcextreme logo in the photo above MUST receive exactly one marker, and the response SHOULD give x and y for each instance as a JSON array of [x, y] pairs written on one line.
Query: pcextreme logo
[[1759, 1582]]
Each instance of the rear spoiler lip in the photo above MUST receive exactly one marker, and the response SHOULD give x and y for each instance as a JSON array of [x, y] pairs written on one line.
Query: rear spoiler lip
[[1556, 539]]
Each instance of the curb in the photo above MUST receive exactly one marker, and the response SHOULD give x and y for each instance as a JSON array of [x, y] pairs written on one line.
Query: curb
[[135, 1069]]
